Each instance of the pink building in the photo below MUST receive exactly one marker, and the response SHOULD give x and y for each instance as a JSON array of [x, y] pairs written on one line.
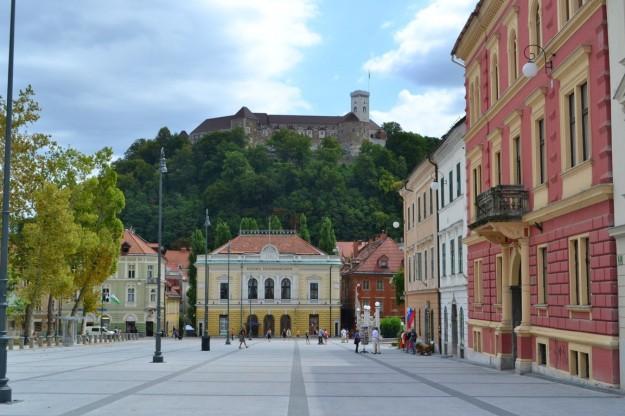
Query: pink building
[[541, 267]]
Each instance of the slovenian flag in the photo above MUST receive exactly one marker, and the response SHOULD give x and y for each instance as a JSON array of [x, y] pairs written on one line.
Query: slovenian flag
[[114, 299], [410, 318]]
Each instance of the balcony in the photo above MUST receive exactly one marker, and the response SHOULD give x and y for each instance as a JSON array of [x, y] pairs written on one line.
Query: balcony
[[500, 203]]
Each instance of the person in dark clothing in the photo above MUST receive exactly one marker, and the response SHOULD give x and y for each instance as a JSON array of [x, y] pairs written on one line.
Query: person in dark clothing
[[357, 339]]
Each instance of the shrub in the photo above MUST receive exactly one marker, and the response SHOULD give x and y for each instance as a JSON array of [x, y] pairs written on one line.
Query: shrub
[[390, 326]]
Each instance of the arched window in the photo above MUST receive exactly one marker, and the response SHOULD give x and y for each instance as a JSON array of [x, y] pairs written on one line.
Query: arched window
[[286, 289], [252, 289], [383, 262], [495, 78], [269, 289], [535, 24]]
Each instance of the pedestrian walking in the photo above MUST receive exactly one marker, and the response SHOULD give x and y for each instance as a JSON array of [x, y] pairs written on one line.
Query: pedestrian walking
[[375, 338], [284, 333], [343, 336], [413, 341], [357, 339], [320, 336], [268, 335], [288, 333], [307, 338], [242, 338]]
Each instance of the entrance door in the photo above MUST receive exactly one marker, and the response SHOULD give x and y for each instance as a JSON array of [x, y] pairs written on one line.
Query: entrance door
[[454, 329], [268, 323], [285, 323], [516, 316], [313, 324], [149, 328], [223, 325], [252, 325]]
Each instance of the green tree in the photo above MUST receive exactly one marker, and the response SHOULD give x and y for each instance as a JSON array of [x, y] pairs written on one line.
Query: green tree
[[97, 204], [398, 282], [222, 234], [198, 246], [274, 223], [327, 239], [303, 227], [48, 242], [248, 224]]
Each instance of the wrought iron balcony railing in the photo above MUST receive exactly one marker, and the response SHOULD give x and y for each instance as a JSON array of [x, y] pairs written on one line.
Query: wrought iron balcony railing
[[500, 203]]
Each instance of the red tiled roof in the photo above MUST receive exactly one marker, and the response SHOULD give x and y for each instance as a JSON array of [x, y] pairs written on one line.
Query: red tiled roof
[[136, 244], [178, 259], [367, 259], [254, 243], [346, 248]]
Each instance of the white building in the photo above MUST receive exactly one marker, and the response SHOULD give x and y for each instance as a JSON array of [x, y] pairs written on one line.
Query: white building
[[616, 43], [452, 226]]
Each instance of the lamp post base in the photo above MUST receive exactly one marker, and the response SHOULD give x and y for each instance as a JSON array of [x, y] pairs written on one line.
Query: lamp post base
[[5, 395], [206, 343], [157, 358], [228, 340]]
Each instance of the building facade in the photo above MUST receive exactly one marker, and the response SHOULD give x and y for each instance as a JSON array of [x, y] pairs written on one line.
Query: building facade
[[277, 281], [450, 160], [541, 266], [421, 252], [616, 35], [351, 129], [369, 268]]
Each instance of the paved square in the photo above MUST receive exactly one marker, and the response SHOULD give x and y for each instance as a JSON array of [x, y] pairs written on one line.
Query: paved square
[[278, 378]]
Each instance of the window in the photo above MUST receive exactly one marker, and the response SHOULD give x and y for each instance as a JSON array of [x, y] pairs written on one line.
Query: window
[[444, 260], [355, 109], [583, 90], [451, 186], [432, 262], [460, 262], [314, 290], [419, 267], [364, 109], [452, 256], [579, 271], [285, 289], [535, 25], [379, 285], [578, 364], [431, 203], [458, 185], [130, 295], [223, 290], [516, 154], [419, 209], [477, 281], [252, 289], [542, 354], [477, 187], [150, 271], [415, 270], [498, 168], [106, 294], [131, 271], [570, 98], [541, 269], [498, 271], [512, 57], [424, 210], [322, 134], [477, 341], [365, 285], [269, 289], [383, 262], [152, 295], [413, 216], [542, 154], [425, 265], [442, 192], [494, 79]]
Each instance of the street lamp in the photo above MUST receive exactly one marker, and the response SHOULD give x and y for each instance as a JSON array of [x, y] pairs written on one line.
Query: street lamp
[[206, 339], [158, 356], [228, 304], [532, 52], [5, 389]]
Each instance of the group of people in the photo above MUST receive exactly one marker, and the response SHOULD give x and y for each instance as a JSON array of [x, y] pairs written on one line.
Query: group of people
[[375, 340], [408, 341]]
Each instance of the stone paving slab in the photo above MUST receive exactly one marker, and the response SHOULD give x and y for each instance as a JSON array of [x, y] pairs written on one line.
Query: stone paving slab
[[279, 378]]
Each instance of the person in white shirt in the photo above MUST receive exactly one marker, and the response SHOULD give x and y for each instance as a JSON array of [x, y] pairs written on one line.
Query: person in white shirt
[[375, 339], [343, 335]]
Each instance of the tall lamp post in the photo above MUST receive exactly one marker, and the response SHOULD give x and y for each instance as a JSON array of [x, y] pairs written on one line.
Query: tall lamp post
[[228, 304], [206, 339], [158, 356], [5, 389]]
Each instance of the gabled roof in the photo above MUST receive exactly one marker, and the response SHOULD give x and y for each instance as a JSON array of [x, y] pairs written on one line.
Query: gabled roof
[[178, 260], [136, 245], [367, 260], [254, 243]]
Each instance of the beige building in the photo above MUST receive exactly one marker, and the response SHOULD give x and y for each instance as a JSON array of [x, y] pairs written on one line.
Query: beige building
[[277, 281], [420, 251]]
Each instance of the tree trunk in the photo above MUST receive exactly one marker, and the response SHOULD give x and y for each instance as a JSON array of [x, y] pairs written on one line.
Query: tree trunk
[[80, 296], [27, 320], [50, 315]]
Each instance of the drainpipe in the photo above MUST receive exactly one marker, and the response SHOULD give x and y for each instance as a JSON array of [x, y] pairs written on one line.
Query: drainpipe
[[438, 268]]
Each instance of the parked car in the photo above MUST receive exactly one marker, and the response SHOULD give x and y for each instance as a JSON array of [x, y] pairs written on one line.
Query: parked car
[[96, 330], [189, 331]]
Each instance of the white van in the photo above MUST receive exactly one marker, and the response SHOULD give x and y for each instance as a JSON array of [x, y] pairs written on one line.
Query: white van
[[96, 330]]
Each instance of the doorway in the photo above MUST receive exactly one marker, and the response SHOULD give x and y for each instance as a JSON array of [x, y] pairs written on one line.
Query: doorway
[[223, 325], [149, 329], [313, 324], [454, 329], [285, 324], [268, 323], [252, 325], [516, 304]]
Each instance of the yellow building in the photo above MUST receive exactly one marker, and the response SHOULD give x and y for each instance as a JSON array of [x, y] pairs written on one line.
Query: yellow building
[[286, 284]]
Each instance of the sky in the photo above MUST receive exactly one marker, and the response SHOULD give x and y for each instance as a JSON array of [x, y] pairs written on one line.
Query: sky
[[107, 73]]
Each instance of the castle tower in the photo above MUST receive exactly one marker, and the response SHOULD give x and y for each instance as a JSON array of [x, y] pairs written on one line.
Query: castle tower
[[360, 104]]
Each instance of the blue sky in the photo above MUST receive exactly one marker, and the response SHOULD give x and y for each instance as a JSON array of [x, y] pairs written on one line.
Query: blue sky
[[108, 73]]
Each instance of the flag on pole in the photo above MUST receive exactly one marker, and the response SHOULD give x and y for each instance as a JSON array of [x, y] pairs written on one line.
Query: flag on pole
[[114, 299], [410, 318]]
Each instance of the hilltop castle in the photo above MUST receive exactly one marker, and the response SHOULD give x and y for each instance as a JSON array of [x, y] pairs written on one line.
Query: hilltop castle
[[351, 129]]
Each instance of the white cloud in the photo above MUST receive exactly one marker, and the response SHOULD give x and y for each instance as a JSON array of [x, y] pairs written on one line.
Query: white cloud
[[109, 72], [424, 44], [429, 113]]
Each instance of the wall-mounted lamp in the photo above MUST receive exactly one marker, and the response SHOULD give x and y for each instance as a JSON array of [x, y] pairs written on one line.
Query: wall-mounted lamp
[[436, 185], [532, 52]]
